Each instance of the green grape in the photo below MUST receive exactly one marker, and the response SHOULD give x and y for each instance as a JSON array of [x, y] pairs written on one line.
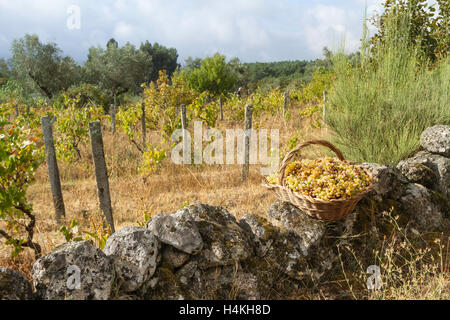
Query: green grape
[[326, 178]]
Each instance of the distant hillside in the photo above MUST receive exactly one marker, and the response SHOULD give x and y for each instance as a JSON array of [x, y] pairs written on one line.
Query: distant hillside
[[284, 74]]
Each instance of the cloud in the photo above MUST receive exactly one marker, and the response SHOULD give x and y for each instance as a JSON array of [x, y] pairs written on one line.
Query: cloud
[[123, 31], [329, 26], [253, 30]]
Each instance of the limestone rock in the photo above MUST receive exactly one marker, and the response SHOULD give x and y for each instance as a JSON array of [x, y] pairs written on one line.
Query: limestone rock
[[436, 139], [56, 275], [285, 215], [417, 172], [224, 240], [135, 253], [173, 257], [229, 282], [278, 249], [178, 230], [14, 286], [428, 169], [418, 205], [390, 183], [186, 275]]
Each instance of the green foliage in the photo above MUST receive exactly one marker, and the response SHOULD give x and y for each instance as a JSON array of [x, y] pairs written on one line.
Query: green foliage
[[162, 58], [118, 70], [163, 100], [4, 71], [152, 159], [18, 164], [313, 91], [39, 66], [72, 128], [145, 218], [86, 94], [12, 92], [205, 109], [270, 102], [99, 232], [129, 118], [379, 109], [214, 75], [97, 235], [19, 159], [428, 27], [70, 232]]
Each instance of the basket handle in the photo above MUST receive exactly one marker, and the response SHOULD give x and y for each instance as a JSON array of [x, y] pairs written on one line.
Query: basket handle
[[291, 153]]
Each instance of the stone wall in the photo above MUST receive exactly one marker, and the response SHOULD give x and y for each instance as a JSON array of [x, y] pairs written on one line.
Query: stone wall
[[203, 252]]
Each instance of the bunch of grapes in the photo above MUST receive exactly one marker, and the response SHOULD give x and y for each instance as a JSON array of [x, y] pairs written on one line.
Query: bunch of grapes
[[326, 178]]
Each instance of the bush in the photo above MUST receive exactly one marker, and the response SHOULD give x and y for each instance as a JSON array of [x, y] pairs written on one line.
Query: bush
[[86, 94], [378, 110]]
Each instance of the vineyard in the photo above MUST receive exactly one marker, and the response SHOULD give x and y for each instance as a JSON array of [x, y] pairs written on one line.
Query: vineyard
[[143, 180]]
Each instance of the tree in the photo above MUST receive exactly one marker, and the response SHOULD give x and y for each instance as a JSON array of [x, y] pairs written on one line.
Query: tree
[[214, 75], [428, 26], [191, 64], [35, 64], [4, 72], [118, 70], [241, 71], [163, 59]]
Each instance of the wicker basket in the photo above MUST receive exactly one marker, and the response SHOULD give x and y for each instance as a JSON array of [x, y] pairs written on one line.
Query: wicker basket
[[323, 210]]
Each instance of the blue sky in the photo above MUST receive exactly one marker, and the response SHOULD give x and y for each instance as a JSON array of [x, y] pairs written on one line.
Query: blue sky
[[253, 30]]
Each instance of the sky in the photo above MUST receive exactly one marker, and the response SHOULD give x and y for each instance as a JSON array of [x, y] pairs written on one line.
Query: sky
[[252, 30]]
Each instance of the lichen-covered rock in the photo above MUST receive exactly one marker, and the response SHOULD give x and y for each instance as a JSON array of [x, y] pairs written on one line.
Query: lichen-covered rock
[[14, 286], [224, 240], [135, 252], [278, 249], [434, 168], [189, 275], [285, 215], [74, 271], [229, 283], [436, 139], [262, 232], [191, 282], [417, 172], [390, 183], [173, 257], [178, 230], [165, 286], [418, 205]]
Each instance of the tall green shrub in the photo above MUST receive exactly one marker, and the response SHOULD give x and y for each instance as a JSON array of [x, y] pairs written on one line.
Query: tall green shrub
[[378, 109]]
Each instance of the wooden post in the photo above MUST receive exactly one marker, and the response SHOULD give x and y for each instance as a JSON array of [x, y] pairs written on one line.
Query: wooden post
[[248, 127], [185, 138], [17, 111], [221, 109], [144, 129], [324, 101], [286, 96], [52, 164], [113, 117], [101, 173]]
